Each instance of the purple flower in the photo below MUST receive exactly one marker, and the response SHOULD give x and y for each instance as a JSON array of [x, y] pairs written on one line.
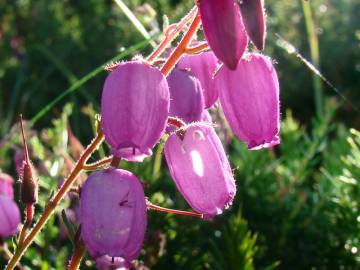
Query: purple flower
[[9, 216], [200, 169], [187, 102], [253, 15], [249, 97], [224, 30], [6, 185], [202, 66], [134, 109], [113, 214]]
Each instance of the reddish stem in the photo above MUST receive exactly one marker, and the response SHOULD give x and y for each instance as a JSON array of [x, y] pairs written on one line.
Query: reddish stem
[[177, 122], [198, 48], [76, 258], [173, 211], [170, 34], [181, 48], [29, 214], [115, 162]]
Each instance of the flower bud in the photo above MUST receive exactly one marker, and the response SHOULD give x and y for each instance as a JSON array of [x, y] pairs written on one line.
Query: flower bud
[[6, 185], [29, 184], [200, 169], [134, 109], [202, 66], [9, 216], [253, 15], [186, 98], [249, 97], [224, 30], [113, 214]]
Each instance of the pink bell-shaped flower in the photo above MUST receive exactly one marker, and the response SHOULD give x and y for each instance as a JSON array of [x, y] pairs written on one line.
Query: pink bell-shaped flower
[[202, 66], [9, 216], [249, 97], [187, 102], [253, 15], [134, 109], [113, 214], [224, 30], [200, 169], [6, 185]]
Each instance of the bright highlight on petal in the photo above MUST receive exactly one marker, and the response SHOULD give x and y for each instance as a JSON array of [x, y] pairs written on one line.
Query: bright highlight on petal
[[197, 163]]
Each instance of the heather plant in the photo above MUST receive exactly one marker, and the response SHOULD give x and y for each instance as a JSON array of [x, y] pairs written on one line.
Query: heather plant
[[135, 110], [174, 105]]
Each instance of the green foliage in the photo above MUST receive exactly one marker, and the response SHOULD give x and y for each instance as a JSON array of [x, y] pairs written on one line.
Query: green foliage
[[239, 243], [304, 204]]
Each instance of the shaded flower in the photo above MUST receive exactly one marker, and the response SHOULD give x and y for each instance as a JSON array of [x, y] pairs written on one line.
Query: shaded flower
[[249, 97], [187, 102], [202, 66], [113, 214], [134, 109], [224, 30], [6, 185], [253, 15], [9, 216], [200, 169]]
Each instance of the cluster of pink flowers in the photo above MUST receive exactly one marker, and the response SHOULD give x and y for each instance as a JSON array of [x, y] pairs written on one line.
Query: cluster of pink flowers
[[139, 105]]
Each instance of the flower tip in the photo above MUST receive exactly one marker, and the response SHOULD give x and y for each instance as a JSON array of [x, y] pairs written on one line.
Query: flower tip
[[232, 64], [256, 146]]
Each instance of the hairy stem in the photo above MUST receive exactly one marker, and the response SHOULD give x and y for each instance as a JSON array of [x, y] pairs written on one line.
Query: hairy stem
[[181, 48], [197, 49], [173, 211], [49, 210], [98, 164], [29, 213], [171, 34]]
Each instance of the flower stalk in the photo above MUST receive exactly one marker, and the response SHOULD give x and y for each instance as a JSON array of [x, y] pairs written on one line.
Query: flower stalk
[[181, 48], [78, 255], [55, 201]]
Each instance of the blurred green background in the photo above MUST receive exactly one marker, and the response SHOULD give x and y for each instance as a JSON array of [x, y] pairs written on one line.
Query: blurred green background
[[297, 205]]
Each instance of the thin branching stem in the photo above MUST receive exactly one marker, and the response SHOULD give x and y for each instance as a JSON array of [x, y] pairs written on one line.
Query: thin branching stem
[[98, 164], [173, 211], [171, 34], [181, 48], [203, 46], [49, 210], [29, 214]]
